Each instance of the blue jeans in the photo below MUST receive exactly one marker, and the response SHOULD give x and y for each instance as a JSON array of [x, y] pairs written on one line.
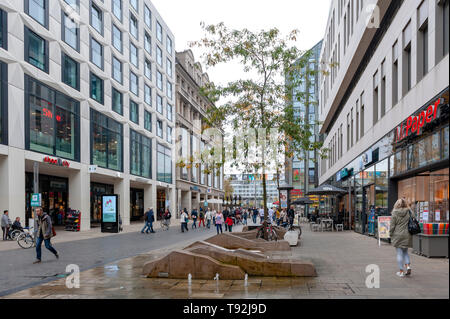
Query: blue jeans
[[219, 226], [254, 219], [402, 258], [48, 245], [147, 225], [194, 224], [183, 227], [208, 223]]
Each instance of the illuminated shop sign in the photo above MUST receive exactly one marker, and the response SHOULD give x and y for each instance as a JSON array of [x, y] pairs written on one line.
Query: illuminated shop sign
[[56, 161], [415, 123]]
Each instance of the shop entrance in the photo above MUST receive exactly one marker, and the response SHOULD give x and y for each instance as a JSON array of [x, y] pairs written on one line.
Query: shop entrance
[[161, 203], [55, 196], [97, 190], [136, 204]]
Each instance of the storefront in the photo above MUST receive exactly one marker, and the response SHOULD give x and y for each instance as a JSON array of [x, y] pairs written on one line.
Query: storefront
[[97, 190], [136, 204], [161, 203]]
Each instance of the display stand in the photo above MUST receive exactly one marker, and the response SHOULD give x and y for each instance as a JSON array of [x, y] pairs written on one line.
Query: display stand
[[73, 220]]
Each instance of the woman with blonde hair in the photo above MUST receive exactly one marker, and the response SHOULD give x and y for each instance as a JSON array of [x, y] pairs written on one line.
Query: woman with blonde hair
[[400, 237]]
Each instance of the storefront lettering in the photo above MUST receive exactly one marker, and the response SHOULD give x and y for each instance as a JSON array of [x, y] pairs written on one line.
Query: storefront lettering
[[415, 123], [57, 162]]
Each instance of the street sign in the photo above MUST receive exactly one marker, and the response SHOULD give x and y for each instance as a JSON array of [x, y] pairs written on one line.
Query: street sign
[[205, 204], [36, 200]]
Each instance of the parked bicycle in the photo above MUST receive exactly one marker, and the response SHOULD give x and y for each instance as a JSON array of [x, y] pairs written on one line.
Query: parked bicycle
[[271, 233], [27, 239], [165, 223]]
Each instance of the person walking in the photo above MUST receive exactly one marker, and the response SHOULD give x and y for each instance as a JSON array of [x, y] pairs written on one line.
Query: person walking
[[194, 216], [201, 218], [214, 214], [219, 221], [146, 228], [225, 214], [167, 216], [254, 214], [151, 219], [270, 213], [261, 215], [208, 217], [43, 224], [184, 220], [229, 222], [291, 215], [400, 237], [6, 224], [245, 216]]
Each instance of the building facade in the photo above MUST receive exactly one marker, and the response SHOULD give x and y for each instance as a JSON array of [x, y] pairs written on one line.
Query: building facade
[[199, 184], [87, 95], [302, 169], [384, 108]]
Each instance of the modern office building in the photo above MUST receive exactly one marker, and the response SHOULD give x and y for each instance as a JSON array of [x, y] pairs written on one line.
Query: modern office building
[[384, 107], [87, 89], [199, 184], [302, 170]]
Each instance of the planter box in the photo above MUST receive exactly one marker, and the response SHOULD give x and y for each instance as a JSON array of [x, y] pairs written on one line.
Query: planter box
[[431, 245]]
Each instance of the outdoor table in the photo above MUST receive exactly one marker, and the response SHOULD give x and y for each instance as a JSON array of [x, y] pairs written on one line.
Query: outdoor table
[[326, 221]]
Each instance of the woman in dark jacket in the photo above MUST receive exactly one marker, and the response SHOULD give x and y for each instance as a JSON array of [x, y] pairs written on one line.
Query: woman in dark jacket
[[400, 237]]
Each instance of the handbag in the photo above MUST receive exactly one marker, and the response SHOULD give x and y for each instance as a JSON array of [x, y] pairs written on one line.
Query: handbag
[[53, 231], [413, 225]]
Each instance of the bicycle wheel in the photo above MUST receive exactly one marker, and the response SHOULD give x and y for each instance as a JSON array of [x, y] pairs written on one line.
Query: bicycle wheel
[[15, 234], [273, 236], [25, 241], [260, 233]]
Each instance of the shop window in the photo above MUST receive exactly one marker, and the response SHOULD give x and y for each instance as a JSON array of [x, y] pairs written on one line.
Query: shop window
[[36, 50], [53, 121], [106, 141], [70, 72], [439, 201], [140, 154], [445, 143], [164, 164], [38, 10]]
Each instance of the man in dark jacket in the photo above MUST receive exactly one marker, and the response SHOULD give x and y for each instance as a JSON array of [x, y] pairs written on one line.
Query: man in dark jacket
[[17, 225], [291, 215], [43, 224], [194, 216], [225, 215]]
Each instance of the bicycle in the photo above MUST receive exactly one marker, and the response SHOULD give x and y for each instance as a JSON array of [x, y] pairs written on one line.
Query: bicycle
[[27, 239], [165, 223], [15, 233], [271, 233]]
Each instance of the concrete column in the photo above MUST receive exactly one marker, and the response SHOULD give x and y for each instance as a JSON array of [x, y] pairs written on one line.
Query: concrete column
[[12, 186], [122, 188], [172, 196], [186, 200], [79, 195], [149, 199]]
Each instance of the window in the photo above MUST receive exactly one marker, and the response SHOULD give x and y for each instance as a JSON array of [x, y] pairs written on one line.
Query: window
[[134, 112], [97, 18], [348, 132], [169, 68], [140, 155], [351, 128], [169, 46], [422, 41], [158, 31], [148, 43], [159, 56], [375, 98], [134, 84], [117, 101], [96, 53], [106, 142], [159, 104], [74, 4], [357, 121], [148, 17], [361, 122], [53, 121], [36, 50], [148, 95], [117, 70], [134, 55], [135, 5], [148, 120], [96, 88], [159, 128], [169, 111], [148, 69], [70, 72], [3, 30], [134, 26], [169, 134], [383, 90], [169, 90], [117, 8], [38, 10], [71, 32], [407, 63], [395, 74], [117, 38], [164, 166], [159, 80], [3, 102]]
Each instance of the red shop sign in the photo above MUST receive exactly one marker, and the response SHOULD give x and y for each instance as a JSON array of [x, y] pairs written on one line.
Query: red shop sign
[[415, 123], [56, 161]]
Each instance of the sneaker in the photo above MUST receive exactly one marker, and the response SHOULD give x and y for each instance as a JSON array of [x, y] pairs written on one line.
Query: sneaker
[[400, 274], [408, 270], [57, 256], [37, 261]]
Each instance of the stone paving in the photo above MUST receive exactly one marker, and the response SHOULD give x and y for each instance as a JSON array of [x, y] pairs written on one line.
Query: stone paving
[[340, 258]]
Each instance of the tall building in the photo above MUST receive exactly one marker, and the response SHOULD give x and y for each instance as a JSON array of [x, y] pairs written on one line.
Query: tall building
[[302, 169], [384, 107], [195, 188], [86, 102]]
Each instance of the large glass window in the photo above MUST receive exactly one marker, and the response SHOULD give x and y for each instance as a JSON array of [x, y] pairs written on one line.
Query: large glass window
[[38, 10], [54, 121], [148, 43], [134, 84], [117, 101], [148, 17], [164, 167], [169, 110], [158, 31], [96, 53], [71, 34], [148, 94], [169, 67], [148, 120], [117, 8], [159, 128], [117, 70], [169, 90], [169, 134], [159, 55], [70, 72], [148, 70], [3, 102], [195, 153], [36, 50], [96, 88], [97, 18], [134, 112], [135, 4], [381, 187], [159, 104], [169, 45], [159, 80], [140, 154], [106, 141], [134, 55], [117, 38], [134, 26]]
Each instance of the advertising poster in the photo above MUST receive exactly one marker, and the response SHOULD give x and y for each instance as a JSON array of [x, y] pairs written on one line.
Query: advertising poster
[[437, 215], [109, 209], [425, 216], [283, 198], [384, 223]]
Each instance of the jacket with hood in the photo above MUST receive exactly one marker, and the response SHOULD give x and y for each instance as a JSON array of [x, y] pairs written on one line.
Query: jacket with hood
[[400, 236], [44, 225]]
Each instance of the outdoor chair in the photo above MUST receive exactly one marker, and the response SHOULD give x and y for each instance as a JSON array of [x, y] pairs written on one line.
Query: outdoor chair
[[315, 227], [340, 227]]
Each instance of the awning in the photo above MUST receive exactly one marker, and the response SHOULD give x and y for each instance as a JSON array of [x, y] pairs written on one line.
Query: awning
[[326, 189]]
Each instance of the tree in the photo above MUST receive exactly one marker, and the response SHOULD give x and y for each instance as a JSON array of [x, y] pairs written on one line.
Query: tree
[[263, 101], [228, 188]]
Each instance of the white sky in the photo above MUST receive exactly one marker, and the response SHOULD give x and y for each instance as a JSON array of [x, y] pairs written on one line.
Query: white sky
[[183, 18]]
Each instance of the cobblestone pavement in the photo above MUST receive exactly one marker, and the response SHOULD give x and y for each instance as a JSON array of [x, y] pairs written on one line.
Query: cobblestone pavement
[[340, 258]]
